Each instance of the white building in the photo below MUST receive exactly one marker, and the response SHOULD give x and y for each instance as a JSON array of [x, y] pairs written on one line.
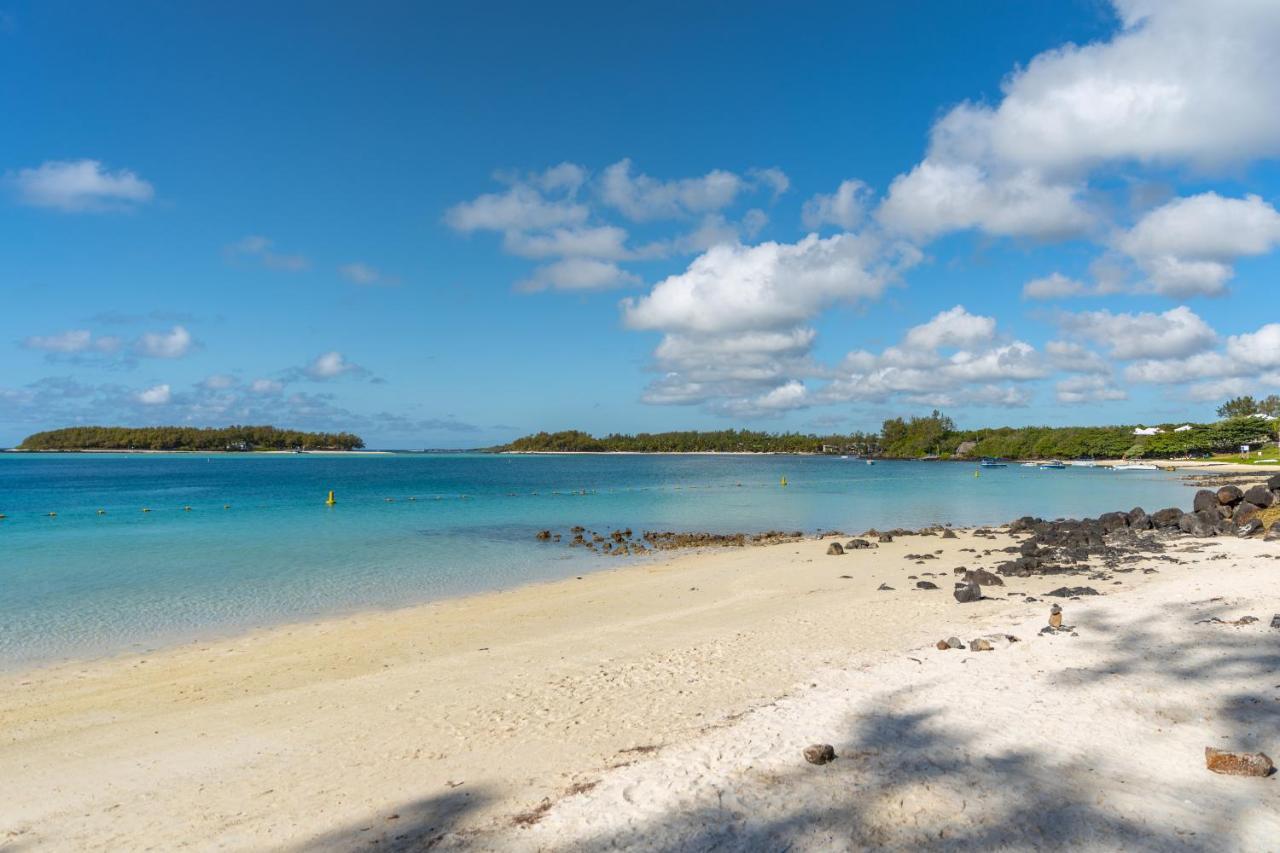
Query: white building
[[1184, 428], [1147, 430]]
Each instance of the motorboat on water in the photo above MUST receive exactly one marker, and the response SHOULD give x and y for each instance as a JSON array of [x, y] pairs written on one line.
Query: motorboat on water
[[1135, 466], [1052, 465], [992, 462], [1087, 462], [1030, 464]]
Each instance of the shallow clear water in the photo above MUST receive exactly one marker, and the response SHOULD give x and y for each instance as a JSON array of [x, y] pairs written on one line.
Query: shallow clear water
[[82, 584]]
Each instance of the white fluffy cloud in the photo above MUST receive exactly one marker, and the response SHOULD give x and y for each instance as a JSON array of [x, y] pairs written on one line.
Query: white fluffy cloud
[[1176, 333], [605, 242], [331, 365], [1187, 246], [733, 288], [1087, 389], [1182, 82], [156, 395], [939, 195], [520, 208], [954, 327], [174, 343], [80, 186], [1260, 349], [578, 274], [1055, 286], [559, 217], [642, 198], [845, 208], [77, 343], [73, 341]]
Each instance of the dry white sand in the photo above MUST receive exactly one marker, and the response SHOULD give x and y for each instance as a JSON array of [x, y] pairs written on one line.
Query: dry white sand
[[664, 706]]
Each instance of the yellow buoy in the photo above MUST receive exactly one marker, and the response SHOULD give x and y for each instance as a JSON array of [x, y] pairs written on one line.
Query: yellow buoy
[[330, 500], [784, 481]]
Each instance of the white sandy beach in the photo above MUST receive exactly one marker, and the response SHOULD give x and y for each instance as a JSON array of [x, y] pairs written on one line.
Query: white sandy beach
[[664, 706]]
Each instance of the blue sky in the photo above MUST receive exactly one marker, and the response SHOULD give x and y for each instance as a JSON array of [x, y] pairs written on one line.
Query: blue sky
[[448, 226]]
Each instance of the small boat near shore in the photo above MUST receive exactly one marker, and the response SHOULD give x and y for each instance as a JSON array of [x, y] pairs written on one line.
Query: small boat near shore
[[1136, 466], [992, 462], [1087, 462], [1052, 465]]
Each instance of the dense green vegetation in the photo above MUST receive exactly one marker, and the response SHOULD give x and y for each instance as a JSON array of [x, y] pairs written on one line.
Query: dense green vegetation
[[188, 438], [930, 435], [723, 441]]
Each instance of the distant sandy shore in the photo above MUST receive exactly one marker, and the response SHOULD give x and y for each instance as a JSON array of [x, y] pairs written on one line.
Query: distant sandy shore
[[664, 705]]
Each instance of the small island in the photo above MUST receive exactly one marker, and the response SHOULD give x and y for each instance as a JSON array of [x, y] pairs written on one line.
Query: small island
[[232, 439]]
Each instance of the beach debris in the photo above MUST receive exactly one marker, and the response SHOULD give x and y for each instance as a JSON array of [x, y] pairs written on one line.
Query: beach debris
[[980, 645], [884, 587], [1242, 621], [926, 585], [835, 549], [1055, 617], [820, 753], [846, 577], [534, 814], [967, 591], [1238, 763], [1073, 591], [543, 535]]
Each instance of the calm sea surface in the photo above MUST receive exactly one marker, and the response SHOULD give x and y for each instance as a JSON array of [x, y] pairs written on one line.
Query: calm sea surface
[[84, 584]]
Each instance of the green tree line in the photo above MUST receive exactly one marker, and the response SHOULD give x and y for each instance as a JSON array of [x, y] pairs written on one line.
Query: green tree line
[[188, 438], [929, 435]]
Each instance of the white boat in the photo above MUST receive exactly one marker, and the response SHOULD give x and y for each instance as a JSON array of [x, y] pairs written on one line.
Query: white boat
[[1136, 466], [1030, 464], [1083, 463], [1052, 465]]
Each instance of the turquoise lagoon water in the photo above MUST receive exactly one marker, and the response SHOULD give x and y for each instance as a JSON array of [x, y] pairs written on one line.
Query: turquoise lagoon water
[[83, 584]]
